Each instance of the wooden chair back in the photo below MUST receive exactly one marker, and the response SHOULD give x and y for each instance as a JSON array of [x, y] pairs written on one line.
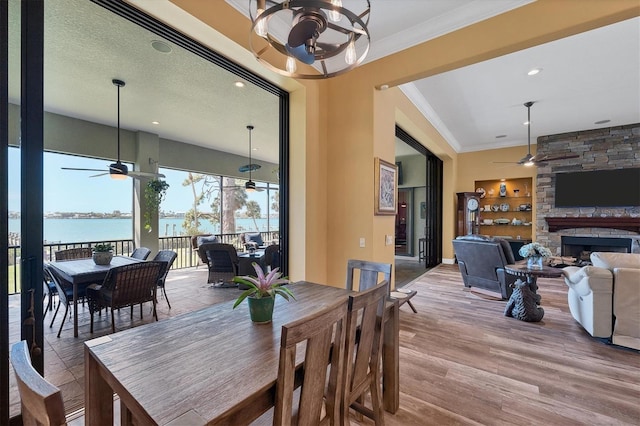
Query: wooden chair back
[[41, 401], [74, 253], [319, 397], [369, 273], [363, 352]]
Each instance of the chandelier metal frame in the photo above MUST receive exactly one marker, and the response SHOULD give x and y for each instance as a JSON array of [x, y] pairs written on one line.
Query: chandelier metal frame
[[321, 47]]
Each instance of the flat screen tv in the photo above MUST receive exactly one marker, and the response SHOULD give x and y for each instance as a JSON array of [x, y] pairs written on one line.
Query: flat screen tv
[[599, 188]]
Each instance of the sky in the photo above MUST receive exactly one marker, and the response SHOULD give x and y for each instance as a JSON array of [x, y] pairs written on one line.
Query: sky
[[77, 191]]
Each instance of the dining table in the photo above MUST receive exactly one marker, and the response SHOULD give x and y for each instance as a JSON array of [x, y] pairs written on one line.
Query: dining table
[[211, 366], [83, 272]]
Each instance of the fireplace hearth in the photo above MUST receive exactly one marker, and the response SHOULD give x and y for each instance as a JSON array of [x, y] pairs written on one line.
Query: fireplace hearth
[[582, 247]]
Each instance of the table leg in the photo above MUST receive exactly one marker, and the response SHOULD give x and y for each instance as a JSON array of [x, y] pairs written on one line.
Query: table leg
[[98, 396], [75, 310], [391, 359]]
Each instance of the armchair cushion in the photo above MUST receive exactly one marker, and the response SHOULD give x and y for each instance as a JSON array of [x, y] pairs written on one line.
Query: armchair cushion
[[207, 239], [611, 260], [252, 239]]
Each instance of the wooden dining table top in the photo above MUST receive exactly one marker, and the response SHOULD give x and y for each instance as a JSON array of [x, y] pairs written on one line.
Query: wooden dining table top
[[212, 366]]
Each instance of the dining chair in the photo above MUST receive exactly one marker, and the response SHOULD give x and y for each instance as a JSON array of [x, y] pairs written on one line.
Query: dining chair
[[363, 353], [141, 253], [222, 261], [64, 290], [167, 257], [369, 272], [318, 400], [271, 258], [126, 285], [41, 402], [369, 277], [74, 253], [50, 291]]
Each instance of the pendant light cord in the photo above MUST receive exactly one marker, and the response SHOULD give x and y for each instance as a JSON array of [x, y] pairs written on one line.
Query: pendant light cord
[[118, 123]]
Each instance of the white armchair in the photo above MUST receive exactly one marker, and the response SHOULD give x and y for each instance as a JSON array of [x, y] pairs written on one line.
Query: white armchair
[[605, 298]]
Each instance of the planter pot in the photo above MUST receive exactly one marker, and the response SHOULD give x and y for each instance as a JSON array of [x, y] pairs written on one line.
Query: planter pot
[[102, 257], [261, 310]]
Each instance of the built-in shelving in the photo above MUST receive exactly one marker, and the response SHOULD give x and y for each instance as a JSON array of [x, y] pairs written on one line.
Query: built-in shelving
[[516, 203]]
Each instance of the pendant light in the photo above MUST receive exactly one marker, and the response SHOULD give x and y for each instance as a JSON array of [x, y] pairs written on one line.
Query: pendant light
[[250, 186]]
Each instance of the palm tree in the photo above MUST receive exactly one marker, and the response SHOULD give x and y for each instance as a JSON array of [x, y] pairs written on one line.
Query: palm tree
[[253, 211]]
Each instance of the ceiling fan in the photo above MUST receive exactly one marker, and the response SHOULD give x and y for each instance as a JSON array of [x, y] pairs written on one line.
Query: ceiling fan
[[530, 160], [250, 186], [118, 170]]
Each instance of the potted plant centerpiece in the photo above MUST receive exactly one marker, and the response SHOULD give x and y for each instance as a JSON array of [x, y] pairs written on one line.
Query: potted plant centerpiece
[[262, 293], [102, 253], [535, 253]]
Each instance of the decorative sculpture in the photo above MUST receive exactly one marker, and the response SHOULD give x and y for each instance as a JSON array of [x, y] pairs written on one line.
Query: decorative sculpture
[[523, 303]]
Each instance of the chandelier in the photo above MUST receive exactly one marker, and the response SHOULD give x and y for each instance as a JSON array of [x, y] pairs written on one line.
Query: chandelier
[[321, 34]]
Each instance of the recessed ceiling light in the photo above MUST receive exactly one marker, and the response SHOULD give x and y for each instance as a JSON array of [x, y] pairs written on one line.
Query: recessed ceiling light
[[239, 84], [384, 87], [254, 149], [501, 136], [534, 71], [602, 122], [161, 46], [526, 123], [155, 122]]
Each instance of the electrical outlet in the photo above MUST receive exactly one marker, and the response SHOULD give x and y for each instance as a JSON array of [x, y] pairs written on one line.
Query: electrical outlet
[[361, 242], [388, 240]]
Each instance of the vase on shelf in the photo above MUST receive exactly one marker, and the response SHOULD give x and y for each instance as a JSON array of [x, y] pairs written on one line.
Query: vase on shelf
[[534, 262]]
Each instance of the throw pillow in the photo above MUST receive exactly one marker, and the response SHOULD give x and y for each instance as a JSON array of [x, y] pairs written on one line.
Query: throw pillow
[[209, 239]]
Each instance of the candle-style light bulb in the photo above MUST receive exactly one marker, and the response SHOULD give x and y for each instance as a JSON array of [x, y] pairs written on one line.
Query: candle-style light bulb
[[261, 23], [334, 15], [350, 54], [291, 65]]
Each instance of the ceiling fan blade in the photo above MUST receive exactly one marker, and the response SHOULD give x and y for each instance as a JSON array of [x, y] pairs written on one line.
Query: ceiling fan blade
[[301, 32], [85, 170], [301, 54], [248, 167], [100, 174], [551, 157], [137, 174]]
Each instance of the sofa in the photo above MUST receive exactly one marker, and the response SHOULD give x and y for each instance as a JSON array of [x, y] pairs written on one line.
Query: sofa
[[604, 298], [482, 259]]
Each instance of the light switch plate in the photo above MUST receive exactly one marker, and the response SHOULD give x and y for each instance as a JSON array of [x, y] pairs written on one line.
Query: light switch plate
[[388, 240], [361, 242]]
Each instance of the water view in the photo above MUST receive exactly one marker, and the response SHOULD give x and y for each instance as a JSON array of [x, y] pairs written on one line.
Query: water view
[[73, 230]]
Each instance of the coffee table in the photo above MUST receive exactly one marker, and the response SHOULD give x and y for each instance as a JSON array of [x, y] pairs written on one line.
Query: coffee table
[[521, 309]]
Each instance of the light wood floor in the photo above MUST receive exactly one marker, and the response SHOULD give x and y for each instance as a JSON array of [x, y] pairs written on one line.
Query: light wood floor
[[462, 362]]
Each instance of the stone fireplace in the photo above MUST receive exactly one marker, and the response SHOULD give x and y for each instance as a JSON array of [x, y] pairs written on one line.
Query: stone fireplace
[[599, 149]]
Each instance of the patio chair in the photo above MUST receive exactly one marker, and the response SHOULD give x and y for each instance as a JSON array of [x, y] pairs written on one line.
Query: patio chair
[[41, 402], [222, 261], [318, 400], [50, 291], [74, 253], [271, 258], [363, 353], [126, 285], [141, 253], [252, 240], [64, 290], [167, 257]]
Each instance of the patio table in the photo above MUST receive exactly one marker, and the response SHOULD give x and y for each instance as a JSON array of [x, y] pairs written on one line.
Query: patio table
[[212, 366], [79, 272]]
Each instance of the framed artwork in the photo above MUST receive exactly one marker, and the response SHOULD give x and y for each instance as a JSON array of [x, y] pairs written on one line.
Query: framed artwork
[[423, 210], [386, 178]]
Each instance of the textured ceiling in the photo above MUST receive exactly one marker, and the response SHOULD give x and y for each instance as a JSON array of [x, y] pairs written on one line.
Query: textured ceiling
[[586, 78]]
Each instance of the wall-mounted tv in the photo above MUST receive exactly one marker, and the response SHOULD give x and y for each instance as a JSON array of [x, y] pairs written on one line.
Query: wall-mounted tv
[[598, 188]]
